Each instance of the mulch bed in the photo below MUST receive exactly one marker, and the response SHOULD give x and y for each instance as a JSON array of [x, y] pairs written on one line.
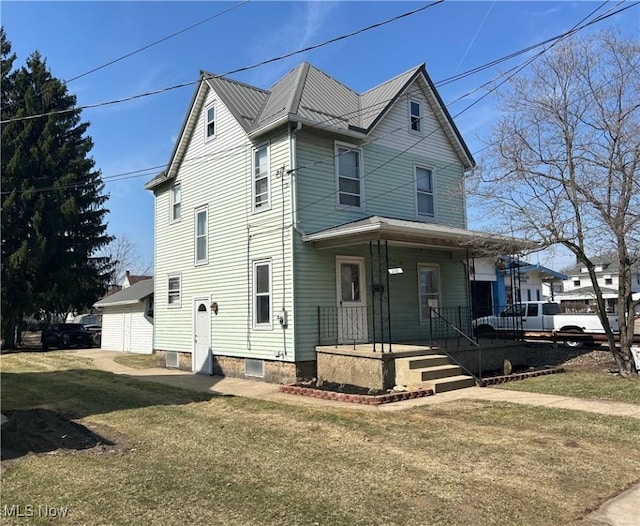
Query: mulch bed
[[501, 379], [42, 431]]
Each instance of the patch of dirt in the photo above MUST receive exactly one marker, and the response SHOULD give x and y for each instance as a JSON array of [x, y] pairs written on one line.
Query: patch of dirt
[[43, 431], [342, 388], [584, 359]]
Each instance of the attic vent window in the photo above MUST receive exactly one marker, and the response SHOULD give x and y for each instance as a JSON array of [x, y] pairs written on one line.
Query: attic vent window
[[415, 116], [210, 117]]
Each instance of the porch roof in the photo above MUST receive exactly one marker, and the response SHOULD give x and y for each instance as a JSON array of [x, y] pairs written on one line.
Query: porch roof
[[416, 233]]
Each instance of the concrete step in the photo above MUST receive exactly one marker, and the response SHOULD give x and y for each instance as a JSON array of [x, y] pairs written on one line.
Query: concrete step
[[452, 383], [439, 371], [431, 360]]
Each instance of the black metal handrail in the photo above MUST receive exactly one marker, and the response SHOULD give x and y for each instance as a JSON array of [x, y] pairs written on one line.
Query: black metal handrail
[[433, 314]]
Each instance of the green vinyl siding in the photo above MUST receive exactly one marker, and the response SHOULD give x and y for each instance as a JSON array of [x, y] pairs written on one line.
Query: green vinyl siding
[[221, 178], [315, 285], [388, 186]]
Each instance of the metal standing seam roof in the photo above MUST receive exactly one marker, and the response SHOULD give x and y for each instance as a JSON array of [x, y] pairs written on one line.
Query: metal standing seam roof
[[308, 94], [131, 295]]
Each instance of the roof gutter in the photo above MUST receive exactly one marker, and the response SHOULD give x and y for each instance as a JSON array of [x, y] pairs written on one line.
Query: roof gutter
[[290, 117]]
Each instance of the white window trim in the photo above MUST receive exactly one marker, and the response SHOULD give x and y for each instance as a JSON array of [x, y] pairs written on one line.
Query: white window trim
[[352, 147], [261, 326], [172, 218], [420, 216], [429, 266], [421, 116], [266, 206], [197, 262], [179, 302], [206, 121]]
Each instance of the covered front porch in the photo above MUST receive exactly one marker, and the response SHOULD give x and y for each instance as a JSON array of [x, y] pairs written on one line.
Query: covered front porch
[[402, 291]]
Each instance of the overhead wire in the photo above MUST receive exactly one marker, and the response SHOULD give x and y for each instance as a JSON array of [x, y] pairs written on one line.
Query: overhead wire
[[231, 72], [141, 49], [129, 175]]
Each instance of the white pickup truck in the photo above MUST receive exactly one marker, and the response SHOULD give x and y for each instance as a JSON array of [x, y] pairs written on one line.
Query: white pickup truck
[[540, 316]]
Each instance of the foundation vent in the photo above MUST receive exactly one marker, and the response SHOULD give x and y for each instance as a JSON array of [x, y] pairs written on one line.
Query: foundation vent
[[253, 367], [172, 358]]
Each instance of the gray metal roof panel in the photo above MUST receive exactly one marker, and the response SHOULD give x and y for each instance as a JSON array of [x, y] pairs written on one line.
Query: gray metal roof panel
[[376, 100], [244, 101], [133, 294], [281, 98]]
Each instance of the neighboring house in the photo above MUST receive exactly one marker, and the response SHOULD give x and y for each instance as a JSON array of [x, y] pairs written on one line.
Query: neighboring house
[[127, 319], [498, 282], [130, 279], [578, 292], [308, 213]]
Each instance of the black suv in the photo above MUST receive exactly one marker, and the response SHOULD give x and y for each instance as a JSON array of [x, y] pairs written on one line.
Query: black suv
[[63, 335]]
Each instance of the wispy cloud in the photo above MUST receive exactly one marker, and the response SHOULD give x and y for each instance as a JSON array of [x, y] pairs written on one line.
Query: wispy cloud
[[303, 27]]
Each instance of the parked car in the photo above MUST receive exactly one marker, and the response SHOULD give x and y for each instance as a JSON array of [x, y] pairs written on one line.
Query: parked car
[[64, 335], [96, 333]]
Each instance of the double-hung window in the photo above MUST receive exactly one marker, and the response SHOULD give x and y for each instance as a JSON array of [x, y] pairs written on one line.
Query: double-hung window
[[261, 199], [174, 291], [429, 289], [201, 236], [424, 192], [210, 122], [349, 176], [262, 294], [176, 202], [415, 116]]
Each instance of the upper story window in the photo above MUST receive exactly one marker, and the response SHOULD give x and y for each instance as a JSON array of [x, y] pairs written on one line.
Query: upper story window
[[201, 236], [261, 199], [174, 285], [415, 116], [262, 294], [608, 281], [210, 122], [176, 202], [576, 282], [349, 176], [424, 192]]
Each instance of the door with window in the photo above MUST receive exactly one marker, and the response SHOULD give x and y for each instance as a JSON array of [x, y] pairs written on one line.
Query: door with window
[[352, 300], [202, 336]]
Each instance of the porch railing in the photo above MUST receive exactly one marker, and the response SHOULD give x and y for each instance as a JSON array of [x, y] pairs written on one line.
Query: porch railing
[[345, 325]]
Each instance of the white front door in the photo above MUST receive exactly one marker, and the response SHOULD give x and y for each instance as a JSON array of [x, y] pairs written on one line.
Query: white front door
[[352, 300], [202, 336], [127, 330]]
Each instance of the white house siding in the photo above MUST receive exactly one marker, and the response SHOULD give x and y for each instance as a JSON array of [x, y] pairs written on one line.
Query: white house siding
[[114, 336], [237, 237]]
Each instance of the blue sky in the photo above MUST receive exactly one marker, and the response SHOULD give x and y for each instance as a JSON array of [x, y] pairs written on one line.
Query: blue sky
[[450, 38]]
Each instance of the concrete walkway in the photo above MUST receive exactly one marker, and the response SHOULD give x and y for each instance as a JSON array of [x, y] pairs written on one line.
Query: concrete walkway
[[623, 510]]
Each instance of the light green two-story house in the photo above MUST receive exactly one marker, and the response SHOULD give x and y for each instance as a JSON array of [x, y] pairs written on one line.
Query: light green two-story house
[[307, 214]]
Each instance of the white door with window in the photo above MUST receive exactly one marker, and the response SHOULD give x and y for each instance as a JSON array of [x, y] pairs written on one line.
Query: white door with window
[[202, 336], [352, 300]]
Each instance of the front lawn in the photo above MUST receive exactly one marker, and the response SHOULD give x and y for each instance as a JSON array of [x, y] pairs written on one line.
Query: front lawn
[[595, 384], [194, 458], [137, 361]]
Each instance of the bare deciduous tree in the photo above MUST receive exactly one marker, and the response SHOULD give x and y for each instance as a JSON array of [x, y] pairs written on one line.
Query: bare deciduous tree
[[564, 164], [125, 255]]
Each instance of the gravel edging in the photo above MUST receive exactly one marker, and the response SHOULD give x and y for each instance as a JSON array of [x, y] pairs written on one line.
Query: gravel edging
[[355, 398]]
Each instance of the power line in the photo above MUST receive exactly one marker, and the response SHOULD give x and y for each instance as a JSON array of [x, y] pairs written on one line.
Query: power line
[[577, 27], [245, 68], [143, 48]]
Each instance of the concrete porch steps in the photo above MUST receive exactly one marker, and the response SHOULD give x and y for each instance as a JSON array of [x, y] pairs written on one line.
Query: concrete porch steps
[[435, 371]]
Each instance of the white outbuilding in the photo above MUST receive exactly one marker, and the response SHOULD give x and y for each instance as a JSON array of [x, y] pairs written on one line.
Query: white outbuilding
[[127, 319]]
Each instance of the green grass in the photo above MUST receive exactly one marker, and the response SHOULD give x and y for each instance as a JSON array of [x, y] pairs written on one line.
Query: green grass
[[194, 458], [598, 385], [137, 361]]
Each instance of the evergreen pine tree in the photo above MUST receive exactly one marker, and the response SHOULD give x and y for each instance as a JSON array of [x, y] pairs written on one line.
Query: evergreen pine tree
[[52, 199]]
